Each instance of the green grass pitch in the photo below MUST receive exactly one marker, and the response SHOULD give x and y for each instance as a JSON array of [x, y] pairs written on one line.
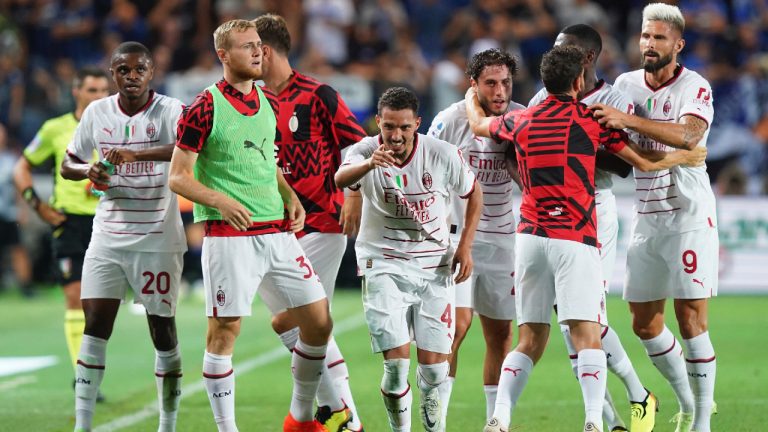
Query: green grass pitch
[[42, 400]]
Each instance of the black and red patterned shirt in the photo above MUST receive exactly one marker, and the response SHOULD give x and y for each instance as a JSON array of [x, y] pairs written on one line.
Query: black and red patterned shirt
[[313, 125], [555, 144], [195, 127]]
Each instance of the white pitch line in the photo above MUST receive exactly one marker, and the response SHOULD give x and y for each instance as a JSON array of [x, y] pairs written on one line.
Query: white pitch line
[[150, 410], [17, 382]]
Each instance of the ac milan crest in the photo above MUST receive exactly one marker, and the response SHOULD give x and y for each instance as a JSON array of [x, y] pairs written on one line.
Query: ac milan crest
[[667, 107], [151, 130], [220, 297], [426, 180]]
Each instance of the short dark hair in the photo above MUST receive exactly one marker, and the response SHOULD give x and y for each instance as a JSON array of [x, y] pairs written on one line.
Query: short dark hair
[[86, 72], [130, 47], [273, 31], [398, 98], [560, 66], [490, 57], [589, 38]]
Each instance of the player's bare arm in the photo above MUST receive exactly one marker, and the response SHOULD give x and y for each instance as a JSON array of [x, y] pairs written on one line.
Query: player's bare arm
[[683, 135], [74, 169], [118, 156], [22, 178], [478, 122], [607, 161], [651, 160], [463, 256], [296, 213], [347, 175], [182, 181], [351, 212]]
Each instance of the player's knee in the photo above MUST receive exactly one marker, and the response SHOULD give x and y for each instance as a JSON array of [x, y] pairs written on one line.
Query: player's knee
[[432, 375], [691, 324], [647, 329], [395, 379]]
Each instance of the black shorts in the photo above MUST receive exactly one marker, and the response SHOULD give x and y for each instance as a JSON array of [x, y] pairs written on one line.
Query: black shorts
[[9, 234], [70, 241]]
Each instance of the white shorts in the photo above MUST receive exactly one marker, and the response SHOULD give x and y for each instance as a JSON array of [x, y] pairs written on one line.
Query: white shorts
[[396, 304], [563, 271], [234, 268], [680, 266], [607, 235], [154, 277], [325, 251], [490, 291]]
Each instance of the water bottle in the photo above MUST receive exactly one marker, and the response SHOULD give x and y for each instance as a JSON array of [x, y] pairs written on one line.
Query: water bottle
[[98, 189]]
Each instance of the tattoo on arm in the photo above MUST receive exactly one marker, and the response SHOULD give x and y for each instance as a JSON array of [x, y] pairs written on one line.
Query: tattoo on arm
[[694, 131]]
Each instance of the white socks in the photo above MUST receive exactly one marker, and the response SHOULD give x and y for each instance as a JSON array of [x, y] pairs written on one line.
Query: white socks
[[88, 375], [667, 355], [619, 364], [219, 379], [490, 400], [339, 375], [445, 389], [397, 394], [701, 366], [592, 378], [307, 365], [514, 376], [168, 379]]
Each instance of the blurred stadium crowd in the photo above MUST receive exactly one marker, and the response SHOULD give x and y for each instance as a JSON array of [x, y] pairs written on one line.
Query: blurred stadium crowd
[[362, 47]]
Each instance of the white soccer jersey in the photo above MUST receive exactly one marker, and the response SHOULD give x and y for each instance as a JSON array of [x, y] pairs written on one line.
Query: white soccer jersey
[[679, 199], [138, 212], [405, 208], [486, 159], [603, 93]]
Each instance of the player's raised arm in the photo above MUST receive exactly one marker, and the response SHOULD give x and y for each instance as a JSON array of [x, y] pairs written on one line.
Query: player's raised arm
[[349, 174], [182, 181], [649, 160], [478, 122], [683, 135]]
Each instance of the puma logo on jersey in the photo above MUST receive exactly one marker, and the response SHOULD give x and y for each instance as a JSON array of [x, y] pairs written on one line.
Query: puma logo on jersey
[[514, 371], [109, 131], [593, 375], [557, 212], [700, 282], [250, 145]]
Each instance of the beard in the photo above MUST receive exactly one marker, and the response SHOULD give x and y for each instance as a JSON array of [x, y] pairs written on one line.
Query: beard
[[487, 105], [659, 64]]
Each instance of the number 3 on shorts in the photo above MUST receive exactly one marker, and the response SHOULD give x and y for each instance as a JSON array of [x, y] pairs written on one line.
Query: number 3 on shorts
[[446, 316], [304, 264]]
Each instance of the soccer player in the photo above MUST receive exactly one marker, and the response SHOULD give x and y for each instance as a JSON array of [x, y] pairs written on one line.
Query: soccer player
[[642, 403], [72, 205], [556, 255], [138, 240], [224, 162], [405, 253], [673, 251], [490, 289], [313, 125]]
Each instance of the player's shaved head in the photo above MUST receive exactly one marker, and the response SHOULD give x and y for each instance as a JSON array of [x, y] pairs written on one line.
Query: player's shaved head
[[130, 47], [586, 37]]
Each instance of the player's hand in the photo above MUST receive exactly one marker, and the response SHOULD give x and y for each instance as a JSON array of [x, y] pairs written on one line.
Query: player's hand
[[609, 116], [49, 215], [462, 259], [296, 214], [351, 212], [695, 157], [98, 175], [118, 156], [381, 158], [470, 94], [234, 213]]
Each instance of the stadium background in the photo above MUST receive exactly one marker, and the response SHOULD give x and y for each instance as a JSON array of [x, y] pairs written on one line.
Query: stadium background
[[362, 47]]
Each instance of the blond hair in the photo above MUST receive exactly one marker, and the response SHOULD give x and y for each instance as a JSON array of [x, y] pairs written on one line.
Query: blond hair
[[221, 38], [665, 13]]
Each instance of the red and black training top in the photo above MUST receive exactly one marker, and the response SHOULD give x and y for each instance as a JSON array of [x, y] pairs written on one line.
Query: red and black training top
[[313, 125], [555, 144]]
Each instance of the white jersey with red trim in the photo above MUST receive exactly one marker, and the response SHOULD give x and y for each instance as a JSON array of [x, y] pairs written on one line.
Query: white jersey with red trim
[[603, 93], [405, 208], [679, 199], [486, 158], [138, 212]]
